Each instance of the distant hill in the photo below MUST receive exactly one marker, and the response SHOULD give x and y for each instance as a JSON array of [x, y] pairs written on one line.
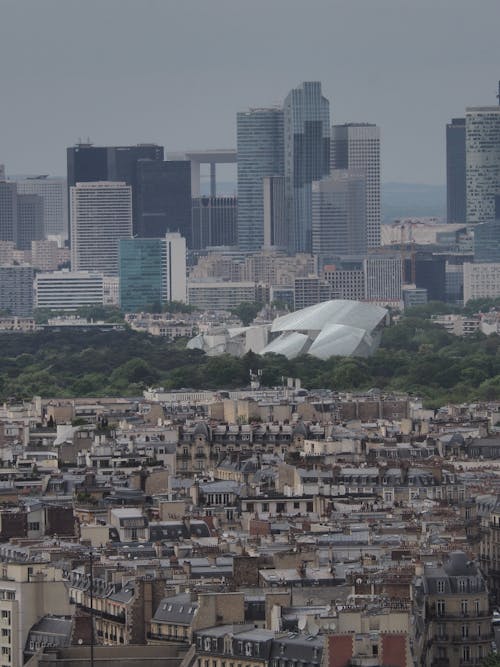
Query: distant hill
[[405, 200]]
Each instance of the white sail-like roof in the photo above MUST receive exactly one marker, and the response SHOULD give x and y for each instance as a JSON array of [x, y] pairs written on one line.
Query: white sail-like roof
[[339, 327], [337, 311]]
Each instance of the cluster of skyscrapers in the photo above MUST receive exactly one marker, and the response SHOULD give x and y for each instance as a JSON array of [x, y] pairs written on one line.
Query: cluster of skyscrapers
[[129, 220], [303, 185]]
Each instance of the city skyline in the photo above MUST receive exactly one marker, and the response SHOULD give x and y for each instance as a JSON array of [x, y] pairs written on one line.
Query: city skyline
[[192, 67]]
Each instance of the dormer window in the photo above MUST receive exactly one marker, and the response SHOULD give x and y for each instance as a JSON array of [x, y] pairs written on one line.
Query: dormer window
[[440, 585]]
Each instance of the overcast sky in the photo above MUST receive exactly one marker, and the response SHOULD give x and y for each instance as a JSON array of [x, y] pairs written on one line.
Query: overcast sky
[[176, 72]]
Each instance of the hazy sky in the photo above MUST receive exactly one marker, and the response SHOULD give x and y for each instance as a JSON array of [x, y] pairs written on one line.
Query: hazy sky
[[176, 72]]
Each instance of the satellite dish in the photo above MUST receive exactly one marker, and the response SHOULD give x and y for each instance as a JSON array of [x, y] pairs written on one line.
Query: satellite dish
[[333, 626], [302, 622]]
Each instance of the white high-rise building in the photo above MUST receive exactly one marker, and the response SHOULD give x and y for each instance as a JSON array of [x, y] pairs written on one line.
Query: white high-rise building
[[101, 215], [55, 202], [357, 146], [175, 273], [482, 162], [68, 290]]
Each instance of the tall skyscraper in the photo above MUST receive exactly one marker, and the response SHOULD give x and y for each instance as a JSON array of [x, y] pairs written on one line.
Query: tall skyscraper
[[455, 171], [29, 225], [53, 191], [88, 164], [306, 116], [260, 153], [8, 210], [357, 146], [162, 198], [214, 222], [152, 272], [101, 215], [339, 214], [482, 143]]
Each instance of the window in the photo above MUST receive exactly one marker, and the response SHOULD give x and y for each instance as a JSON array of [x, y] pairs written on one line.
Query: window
[[440, 586], [464, 607], [440, 607], [466, 653], [33, 525], [465, 631]]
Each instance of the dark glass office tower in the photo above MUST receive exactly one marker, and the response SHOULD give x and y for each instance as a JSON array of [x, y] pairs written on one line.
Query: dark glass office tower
[[29, 225], [87, 163], [214, 222], [455, 171], [163, 199], [487, 242], [307, 156]]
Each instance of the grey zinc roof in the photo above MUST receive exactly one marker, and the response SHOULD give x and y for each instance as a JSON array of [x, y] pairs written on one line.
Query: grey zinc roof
[[176, 610]]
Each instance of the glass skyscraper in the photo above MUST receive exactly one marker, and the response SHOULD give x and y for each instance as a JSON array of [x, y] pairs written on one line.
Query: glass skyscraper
[[339, 214], [260, 153], [482, 145], [163, 198], [357, 146], [455, 171], [152, 272], [306, 115], [142, 274]]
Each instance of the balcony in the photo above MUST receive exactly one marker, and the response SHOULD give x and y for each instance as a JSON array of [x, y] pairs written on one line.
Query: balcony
[[440, 662], [473, 638]]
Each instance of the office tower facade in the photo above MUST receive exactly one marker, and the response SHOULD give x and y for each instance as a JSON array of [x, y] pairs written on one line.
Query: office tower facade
[[383, 277], [87, 164], [101, 215], [214, 222], [29, 226], [68, 290], [162, 198], [482, 144], [455, 171], [306, 115], [357, 146], [8, 210], [16, 290], [345, 283], [53, 192], [275, 214], [309, 290], [142, 274], [339, 214], [260, 153], [487, 241], [430, 274]]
